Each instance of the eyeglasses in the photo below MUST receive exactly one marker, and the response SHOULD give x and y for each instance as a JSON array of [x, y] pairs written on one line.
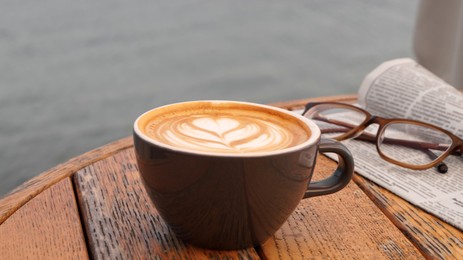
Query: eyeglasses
[[408, 143]]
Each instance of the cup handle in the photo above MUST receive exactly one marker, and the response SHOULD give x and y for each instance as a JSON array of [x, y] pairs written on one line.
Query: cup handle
[[340, 177]]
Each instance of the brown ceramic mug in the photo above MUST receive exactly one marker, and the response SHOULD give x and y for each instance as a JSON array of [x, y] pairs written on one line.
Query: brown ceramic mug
[[227, 174]]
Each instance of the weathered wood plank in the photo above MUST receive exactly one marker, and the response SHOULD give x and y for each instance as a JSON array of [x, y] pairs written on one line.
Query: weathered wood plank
[[435, 238], [344, 225], [122, 223], [47, 227], [432, 236], [24, 193]]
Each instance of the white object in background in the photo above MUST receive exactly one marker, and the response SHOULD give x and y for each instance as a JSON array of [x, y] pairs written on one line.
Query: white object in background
[[438, 40]]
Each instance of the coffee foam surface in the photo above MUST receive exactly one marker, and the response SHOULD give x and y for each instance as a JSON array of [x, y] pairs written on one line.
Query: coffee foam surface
[[225, 130]]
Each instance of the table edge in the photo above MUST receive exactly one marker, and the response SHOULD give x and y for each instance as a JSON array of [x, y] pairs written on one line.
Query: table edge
[[33, 187]]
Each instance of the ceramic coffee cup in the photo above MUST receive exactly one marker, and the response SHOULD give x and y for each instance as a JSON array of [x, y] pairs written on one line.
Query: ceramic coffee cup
[[228, 174]]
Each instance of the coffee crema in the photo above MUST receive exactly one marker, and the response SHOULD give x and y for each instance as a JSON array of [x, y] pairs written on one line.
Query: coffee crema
[[225, 130]]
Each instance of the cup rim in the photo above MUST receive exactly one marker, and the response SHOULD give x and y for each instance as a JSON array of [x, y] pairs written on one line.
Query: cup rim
[[312, 140]]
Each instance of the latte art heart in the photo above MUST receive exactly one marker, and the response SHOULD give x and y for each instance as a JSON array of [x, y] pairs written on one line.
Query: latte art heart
[[222, 133]]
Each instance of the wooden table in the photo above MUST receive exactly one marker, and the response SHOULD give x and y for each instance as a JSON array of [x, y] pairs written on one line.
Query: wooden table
[[94, 206]]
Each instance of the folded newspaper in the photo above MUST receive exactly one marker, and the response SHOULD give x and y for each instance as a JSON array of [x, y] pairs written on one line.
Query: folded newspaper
[[403, 89]]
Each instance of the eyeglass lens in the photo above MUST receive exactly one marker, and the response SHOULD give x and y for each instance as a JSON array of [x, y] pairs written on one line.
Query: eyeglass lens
[[413, 144], [335, 121]]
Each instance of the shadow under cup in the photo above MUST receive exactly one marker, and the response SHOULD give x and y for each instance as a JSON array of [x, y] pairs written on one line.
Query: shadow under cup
[[233, 201]]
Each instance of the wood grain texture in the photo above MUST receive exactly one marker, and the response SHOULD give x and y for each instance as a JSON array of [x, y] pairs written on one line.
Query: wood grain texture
[[344, 225], [432, 236], [24, 193], [122, 223], [47, 227]]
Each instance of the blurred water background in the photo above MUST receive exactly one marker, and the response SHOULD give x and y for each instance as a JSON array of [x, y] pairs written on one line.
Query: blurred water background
[[75, 74]]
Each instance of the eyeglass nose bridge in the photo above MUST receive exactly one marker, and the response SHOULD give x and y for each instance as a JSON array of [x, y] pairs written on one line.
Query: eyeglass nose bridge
[[381, 121], [360, 130], [370, 121], [375, 120]]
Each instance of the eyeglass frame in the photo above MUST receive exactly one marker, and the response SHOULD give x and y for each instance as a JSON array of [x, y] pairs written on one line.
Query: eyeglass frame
[[382, 122]]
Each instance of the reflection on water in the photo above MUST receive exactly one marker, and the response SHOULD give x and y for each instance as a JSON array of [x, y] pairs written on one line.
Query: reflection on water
[[75, 74]]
